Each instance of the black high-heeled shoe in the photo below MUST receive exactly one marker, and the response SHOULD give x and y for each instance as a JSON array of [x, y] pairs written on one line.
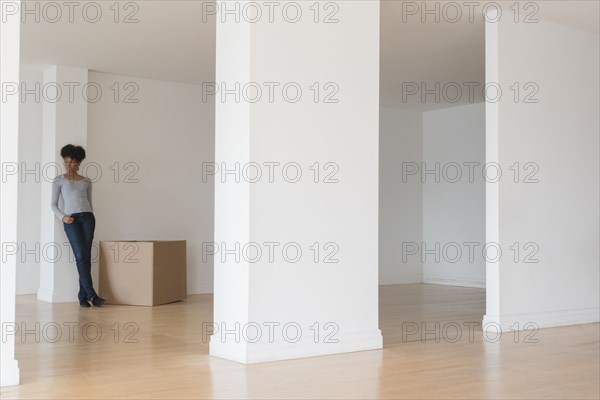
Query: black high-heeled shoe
[[84, 303], [98, 301]]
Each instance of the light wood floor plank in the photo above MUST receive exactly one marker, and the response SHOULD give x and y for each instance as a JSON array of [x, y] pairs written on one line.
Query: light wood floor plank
[[170, 359]]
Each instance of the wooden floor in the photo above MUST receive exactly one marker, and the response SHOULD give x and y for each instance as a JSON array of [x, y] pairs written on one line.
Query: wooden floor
[[161, 354]]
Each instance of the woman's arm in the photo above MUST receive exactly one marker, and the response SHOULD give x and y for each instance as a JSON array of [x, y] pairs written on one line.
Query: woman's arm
[[54, 203], [89, 193]]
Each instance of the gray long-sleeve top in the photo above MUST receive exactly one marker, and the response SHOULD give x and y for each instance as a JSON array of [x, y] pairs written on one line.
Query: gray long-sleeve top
[[77, 196]]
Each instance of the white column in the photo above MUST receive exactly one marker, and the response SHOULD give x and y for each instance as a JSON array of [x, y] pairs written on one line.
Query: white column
[[492, 228], [9, 150], [65, 121], [544, 210], [296, 268]]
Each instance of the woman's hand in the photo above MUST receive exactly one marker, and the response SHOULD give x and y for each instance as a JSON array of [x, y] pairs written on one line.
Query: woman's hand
[[67, 219]]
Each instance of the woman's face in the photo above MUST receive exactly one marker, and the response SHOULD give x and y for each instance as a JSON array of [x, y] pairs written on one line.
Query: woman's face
[[71, 165]]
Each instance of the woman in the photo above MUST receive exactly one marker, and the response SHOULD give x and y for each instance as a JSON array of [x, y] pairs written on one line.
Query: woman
[[78, 219]]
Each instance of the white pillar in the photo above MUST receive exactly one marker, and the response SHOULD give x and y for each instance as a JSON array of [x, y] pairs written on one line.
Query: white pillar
[[9, 150], [543, 213], [297, 92], [65, 121], [492, 206]]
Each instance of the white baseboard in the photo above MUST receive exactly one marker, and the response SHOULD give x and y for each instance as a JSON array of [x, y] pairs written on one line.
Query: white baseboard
[[9, 372], [400, 279], [54, 296], [248, 353], [513, 322], [202, 288], [453, 281]]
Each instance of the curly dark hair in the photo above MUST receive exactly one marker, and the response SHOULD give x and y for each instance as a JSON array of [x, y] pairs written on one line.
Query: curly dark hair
[[76, 153]]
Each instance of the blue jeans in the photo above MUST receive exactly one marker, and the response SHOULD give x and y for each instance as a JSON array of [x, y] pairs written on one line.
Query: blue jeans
[[81, 234]]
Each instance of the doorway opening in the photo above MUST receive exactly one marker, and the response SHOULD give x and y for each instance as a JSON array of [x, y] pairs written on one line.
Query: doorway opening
[[432, 244]]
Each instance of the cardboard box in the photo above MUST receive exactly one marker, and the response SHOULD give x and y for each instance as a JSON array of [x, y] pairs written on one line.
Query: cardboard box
[[143, 273]]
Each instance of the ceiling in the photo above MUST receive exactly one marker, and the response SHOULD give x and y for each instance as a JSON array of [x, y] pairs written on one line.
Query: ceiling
[[170, 41], [415, 56]]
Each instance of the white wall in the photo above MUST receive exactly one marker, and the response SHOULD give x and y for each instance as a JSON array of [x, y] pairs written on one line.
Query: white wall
[[558, 215], [30, 156], [453, 196], [165, 136], [400, 200], [344, 213]]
